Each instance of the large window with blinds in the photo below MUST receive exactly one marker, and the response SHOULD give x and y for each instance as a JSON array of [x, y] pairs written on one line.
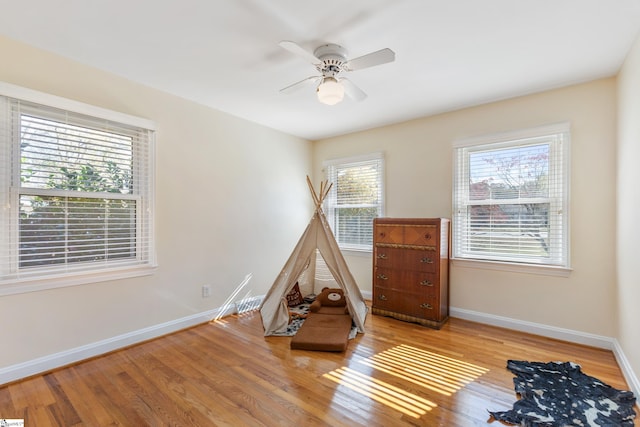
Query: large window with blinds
[[355, 199], [511, 197], [76, 192]]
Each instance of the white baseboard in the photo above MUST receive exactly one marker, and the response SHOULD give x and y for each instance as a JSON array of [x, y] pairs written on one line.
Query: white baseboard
[[568, 335], [43, 364], [74, 355], [534, 328], [626, 369]]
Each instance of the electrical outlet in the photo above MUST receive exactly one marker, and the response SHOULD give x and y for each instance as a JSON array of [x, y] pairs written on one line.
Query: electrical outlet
[[206, 291]]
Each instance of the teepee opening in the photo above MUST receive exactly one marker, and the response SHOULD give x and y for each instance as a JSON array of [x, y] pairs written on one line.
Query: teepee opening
[[316, 276]]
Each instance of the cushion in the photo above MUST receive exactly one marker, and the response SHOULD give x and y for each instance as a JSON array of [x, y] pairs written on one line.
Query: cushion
[[294, 297], [333, 310], [323, 332]]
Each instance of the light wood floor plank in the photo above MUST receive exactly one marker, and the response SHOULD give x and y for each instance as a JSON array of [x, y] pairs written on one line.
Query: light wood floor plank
[[226, 373]]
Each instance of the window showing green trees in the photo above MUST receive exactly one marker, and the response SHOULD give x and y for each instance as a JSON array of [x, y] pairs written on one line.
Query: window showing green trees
[[75, 186]]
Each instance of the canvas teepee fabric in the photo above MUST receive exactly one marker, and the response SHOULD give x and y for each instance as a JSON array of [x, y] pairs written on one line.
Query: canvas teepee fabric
[[317, 238]]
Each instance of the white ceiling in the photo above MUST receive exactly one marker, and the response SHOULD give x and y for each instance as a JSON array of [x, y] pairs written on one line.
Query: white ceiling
[[450, 54]]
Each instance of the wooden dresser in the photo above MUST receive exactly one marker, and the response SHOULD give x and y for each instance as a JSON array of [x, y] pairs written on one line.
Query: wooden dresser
[[411, 269]]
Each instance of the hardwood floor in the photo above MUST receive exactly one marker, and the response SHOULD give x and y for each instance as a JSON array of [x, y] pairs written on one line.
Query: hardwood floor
[[226, 373]]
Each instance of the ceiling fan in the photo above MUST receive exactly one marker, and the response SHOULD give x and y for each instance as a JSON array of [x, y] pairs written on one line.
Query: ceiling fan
[[331, 60]]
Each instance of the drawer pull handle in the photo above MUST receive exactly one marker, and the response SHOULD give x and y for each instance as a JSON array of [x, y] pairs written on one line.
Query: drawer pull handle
[[382, 256], [426, 283], [426, 261], [382, 298], [427, 306], [427, 236], [382, 277]]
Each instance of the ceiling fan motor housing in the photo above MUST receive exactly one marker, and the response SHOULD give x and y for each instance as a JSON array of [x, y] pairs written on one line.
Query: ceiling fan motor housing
[[332, 57]]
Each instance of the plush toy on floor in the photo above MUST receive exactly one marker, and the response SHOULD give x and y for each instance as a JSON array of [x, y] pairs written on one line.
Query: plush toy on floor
[[328, 324], [330, 301]]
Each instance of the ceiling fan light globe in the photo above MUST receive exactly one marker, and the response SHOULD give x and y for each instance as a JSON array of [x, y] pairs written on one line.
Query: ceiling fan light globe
[[330, 91]]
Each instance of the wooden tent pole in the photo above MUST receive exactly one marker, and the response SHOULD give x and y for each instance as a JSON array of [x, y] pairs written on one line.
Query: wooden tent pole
[[313, 191], [319, 197], [326, 191]]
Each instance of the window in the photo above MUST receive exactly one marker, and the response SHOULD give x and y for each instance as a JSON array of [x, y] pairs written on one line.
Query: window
[[355, 199], [510, 197], [75, 191]]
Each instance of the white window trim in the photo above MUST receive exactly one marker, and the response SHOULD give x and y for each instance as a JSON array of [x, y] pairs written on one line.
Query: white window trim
[[64, 279], [354, 250], [544, 270], [21, 286], [503, 137], [26, 94]]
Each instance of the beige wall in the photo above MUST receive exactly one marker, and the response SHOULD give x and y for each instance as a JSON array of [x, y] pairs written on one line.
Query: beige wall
[[234, 183], [628, 215], [221, 213], [418, 183]]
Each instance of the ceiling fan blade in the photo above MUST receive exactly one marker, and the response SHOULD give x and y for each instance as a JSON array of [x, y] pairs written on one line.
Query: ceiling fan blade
[[299, 85], [353, 91], [372, 59], [296, 49]]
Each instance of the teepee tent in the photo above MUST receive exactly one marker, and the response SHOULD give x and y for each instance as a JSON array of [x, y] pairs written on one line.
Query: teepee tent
[[316, 244]]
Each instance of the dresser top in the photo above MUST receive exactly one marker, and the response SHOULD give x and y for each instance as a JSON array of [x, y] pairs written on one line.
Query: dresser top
[[410, 220]]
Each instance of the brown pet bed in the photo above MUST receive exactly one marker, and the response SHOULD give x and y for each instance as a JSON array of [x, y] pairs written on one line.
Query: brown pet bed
[[323, 332]]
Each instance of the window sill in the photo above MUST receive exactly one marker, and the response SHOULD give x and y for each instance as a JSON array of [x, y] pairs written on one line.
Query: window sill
[[364, 253], [545, 270], [21, 286]]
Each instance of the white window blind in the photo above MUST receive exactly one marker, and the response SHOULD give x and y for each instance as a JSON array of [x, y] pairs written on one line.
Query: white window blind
[[355, 199], [511, 197], [76, 193]]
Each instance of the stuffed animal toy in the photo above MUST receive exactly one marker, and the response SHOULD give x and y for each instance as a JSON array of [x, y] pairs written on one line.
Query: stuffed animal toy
[[328, 326], [329, 297]]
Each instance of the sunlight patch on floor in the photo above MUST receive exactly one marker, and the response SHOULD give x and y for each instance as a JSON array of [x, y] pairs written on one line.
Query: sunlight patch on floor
[[426, 369], [387, 394], [436, 372]]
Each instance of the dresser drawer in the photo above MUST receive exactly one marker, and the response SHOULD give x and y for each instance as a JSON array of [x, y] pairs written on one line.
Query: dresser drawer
[[421, 235], [406, 281], [406, 259], [421, 306], [412, 235], [392, 234]]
